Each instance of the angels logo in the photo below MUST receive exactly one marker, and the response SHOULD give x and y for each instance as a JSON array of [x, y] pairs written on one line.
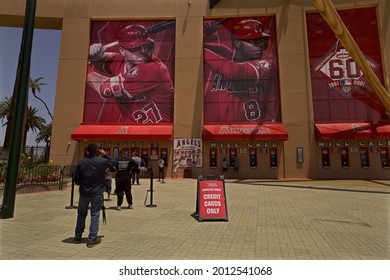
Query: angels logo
[[341, 72], [122, 130]]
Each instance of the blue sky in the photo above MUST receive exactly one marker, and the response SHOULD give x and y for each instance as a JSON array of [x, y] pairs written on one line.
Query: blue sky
[[44, 63]]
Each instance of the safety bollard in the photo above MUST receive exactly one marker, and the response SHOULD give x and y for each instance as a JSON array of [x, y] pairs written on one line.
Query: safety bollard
[[151, 191], [71, 206]]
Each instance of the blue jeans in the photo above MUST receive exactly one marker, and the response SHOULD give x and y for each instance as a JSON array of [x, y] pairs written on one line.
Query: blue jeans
[[82, 212]]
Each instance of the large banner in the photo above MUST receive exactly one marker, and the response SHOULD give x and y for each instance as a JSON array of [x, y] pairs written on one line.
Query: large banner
[[341, 93], [130, 72], [241, 79]]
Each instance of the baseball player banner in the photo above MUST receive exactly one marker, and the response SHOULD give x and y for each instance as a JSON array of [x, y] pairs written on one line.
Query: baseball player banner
[[130, 72], [340, 91], [241, 79], [188, 151]]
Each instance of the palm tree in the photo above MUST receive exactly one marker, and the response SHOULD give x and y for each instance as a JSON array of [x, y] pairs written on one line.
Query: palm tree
[[45, 135], [5, 110], [34, 121], [35, 86], [7, 113]]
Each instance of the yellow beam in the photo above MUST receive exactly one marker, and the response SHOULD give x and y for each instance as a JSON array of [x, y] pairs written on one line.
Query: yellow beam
[[329, 13]]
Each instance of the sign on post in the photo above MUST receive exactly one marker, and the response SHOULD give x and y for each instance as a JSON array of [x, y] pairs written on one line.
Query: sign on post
[[211, 200]]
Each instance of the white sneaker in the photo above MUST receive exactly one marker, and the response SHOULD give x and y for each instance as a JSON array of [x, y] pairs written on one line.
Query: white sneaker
[[119, 208]]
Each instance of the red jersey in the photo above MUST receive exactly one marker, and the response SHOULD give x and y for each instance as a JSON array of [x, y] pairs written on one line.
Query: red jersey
[[150, 87], [239, 92]]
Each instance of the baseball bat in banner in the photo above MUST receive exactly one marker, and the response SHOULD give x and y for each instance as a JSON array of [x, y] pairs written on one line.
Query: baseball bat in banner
[[164, 25]]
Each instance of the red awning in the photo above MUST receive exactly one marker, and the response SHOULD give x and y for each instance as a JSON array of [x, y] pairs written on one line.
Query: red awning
[[330, 131], [123, 132], [245, 132]]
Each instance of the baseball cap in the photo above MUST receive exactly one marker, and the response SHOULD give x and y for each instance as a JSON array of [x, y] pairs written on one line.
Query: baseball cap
[[133, 36], [249, 29]]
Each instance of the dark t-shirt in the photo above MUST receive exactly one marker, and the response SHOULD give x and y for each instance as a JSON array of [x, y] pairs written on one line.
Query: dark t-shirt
[[125, 167]]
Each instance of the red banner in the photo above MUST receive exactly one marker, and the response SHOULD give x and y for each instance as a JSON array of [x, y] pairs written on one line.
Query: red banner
[[130, 72], [340, 91], [241, 79], [212, 200]]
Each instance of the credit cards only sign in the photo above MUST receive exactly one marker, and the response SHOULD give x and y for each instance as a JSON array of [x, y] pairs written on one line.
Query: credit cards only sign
[[212, 200]]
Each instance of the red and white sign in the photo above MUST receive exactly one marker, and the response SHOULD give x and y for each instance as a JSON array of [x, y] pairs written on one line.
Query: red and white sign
[[212, 200]]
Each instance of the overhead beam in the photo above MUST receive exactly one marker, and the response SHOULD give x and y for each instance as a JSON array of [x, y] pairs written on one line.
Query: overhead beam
[[213, 3], [329, 13]]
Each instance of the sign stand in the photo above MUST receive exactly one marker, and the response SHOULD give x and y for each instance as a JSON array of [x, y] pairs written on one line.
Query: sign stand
[[211, 200]]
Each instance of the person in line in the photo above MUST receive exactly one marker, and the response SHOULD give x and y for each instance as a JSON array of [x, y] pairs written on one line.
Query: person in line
[[136, 170], [236, 164], [161, 170], [90, 176], [176, 164], [125, 166], [225, 166], [143, 169], [108, 179]]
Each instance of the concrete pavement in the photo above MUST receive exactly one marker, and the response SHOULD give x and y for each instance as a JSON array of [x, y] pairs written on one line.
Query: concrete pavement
[[268, 219]]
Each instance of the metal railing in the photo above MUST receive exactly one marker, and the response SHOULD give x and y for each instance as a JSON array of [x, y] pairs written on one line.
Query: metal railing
[[43, 175]]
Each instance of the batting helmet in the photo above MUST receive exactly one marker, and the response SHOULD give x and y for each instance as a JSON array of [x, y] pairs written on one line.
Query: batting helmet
[[133, 36], [249, 29]]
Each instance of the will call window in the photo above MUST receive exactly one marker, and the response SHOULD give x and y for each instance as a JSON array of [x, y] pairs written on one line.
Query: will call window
[[325, 156]]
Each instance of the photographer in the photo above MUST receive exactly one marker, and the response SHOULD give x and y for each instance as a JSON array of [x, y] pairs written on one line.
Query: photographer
[[90, 176]]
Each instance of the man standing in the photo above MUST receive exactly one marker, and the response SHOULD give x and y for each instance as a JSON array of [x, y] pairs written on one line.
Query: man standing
[[136, 170], [236, 164], [161, 170], [90, 176], [123, 176]]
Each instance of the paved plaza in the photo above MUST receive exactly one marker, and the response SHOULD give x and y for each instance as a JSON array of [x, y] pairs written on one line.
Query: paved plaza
[[268, 219]]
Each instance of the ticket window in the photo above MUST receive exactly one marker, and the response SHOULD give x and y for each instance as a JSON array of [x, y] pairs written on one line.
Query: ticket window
[[233, 156], [126, 151], [134, 150], [273, 157], [344, 154], [164, 155], [364, 158], [325, 157], [145, 153], [252, 157], [154, 153], [384, 152], [213, 158]]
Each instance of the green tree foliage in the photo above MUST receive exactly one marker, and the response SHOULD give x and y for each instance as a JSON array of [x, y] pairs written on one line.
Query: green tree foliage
[[35, 86]]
